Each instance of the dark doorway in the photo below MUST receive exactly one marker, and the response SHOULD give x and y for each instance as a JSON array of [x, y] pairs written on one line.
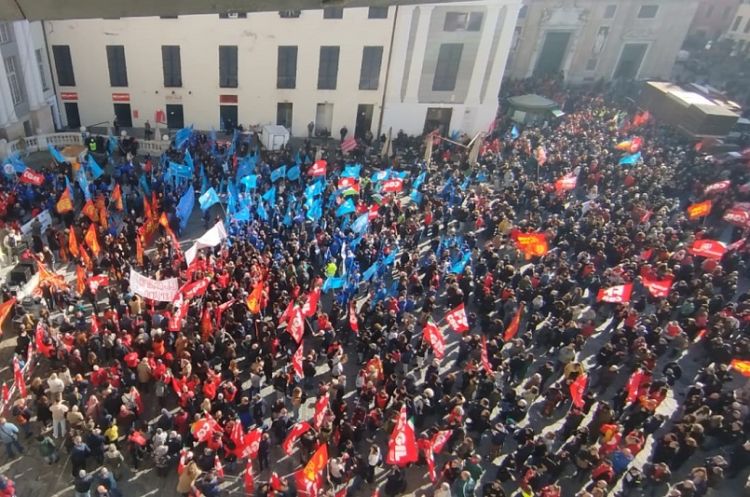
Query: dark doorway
[[71, 113], [364, 120], [438, 118], [630, 60], [553, 52], [228, 117], [174, 116], [122, 113]]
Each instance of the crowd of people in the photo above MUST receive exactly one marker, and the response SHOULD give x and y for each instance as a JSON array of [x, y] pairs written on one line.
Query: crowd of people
[[385, 315]]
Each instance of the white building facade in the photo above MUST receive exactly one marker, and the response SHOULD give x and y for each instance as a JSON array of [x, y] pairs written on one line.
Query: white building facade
[[361, 68], [27, 100]]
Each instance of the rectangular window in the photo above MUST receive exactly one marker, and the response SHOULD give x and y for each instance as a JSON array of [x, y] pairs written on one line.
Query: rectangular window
[[118, 71], [228, 66], [648, 11], [446, 70], [610, 11], [523, 11], [233, 15], [11, 69], [591, 64], [170, 55], [6, 32], [40, 65], [333, 13], [463, 21], [286, 70], [63, 65], [284, 114], [289, 14], [369, 74], [737, 21], [377, 13], [328, 68]]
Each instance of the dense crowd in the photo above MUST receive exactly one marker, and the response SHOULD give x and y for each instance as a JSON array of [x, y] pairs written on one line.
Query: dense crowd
[[348, 312]]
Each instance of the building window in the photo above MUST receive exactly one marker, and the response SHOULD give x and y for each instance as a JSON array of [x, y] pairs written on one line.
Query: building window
[[286, 70], [378, 13], [284, 114], [11, 69], [648, 11], [591, 64], [228, 66], [333, 13], [6, 32], [609, 11], [170, 59], [289, 14], [523, 11], [369, 74], [233, 15], [118, 71], [40, 65], [737, 21], [167, 17], [709, 11], [63, 65], [328, 69], [463, 21], [446, 69], [747, 27]]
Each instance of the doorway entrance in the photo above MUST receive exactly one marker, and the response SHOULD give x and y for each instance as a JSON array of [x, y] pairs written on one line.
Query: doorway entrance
[[630, 61], [324, 120], [553, 52], [174, 116], [228, 117], [72, 115], [364, 120], [438, 118], [122, 113]]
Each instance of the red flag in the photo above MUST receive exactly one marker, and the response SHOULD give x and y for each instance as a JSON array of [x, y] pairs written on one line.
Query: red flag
[[392, 185], [566, 183], [435, 338], [6, 393], [710, 249], [18, 378], [372, 212], [297, 361], [204, 428], [738, 216], [402, 446], [742, 367], [718, 187], [345, 183], [250, 444], [96, 281], [5, 309], [311, 303], [219, 468], [305, 487], [64, 203], [275, 482], [237, 436], [457, 319], [349, 144], [296, 327], [137, 399], [736, 245], [318, 168], [439, 440], [512, 328], [658, 288], [32, 177], [220, 310], [634, 382], [619, 294], [89, 210], [485, 357], [247, 478], [195, 288], [297, 431], [255, 297], [46, 350], [701, 209], [288, 312], [426, 446], [577, 388], [531, 244], [94, 324], [353, 323], [321, 405], [317, 463]]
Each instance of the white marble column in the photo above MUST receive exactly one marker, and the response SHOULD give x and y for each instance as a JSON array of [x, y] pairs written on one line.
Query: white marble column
[[7, 110], [29, 66]]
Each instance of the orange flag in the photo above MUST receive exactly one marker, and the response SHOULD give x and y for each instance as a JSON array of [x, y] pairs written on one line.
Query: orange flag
[[47, 277], [86, 258], [701, 209], [512, 328], [73, 243], [147, 212], [742, 367], [92, 241], [80, 279], [531, 244], [65, 203], [317, 463], [139, 250], [253, 300], [5, 309], [103, 216], [89, 209], [117, 197], [163, 220]]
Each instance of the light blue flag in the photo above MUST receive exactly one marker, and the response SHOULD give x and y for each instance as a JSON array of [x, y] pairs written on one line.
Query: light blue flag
[[514, 132], [629, 160], [84, 184], [420, 179], [204, 180], [270, 196], [346, 208], [351, 171], [465, 184], [361, 223], [380, 176], [180, 170], [370, 272], [243, 214], [233, 197], [56, 154], [388, 260], [189, 160], [315, 211], [313, 190], [182, 136], [333, 283], [208, 199], [145, 186], [111, 145], [94, 168], [250, 182], [458, 266], [401, 174], [261, 211], [416, 197], [185, 206], [293, 173], [278, 173]]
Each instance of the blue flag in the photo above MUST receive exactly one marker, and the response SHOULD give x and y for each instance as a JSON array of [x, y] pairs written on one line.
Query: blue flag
[[182, 136], [185, 206], [333, 283], [293, 173], [250, 182], [180, 170], [420, 179], [370, 272], [458, 266], [416, 197], [278, 173], [189, 160], [388, 260], [380, 176], [84, 184], [94, 168], [351, 171], [346, 208], [243, 214], [144, 184], [204, 180], [629, 160], [314, 189], [233, 198], [361, 223], [315, 211], [208, 199], [55, 154], [111, 145], [261, 211], [514, 132], [246, 166], [270, 196]]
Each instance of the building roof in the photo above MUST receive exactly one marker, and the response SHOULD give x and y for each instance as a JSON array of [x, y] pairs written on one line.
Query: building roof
[[706, 99], [532, 102]]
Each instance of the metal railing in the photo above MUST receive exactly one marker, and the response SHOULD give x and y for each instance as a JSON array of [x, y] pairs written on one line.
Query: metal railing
[[40, 142]]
